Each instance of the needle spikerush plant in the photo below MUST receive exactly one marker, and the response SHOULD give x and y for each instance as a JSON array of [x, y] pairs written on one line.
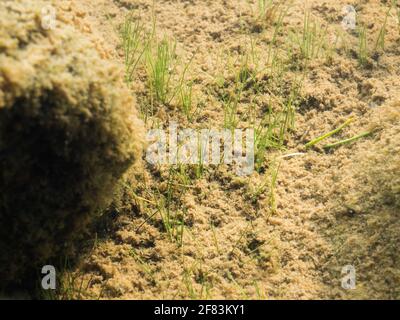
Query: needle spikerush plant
[[265, 137], [335, 131], [268, 185], [363, 52], [186, 100], [161, 62], [165, 81], [135, 40], [380, 42], [163, 202], [272, 131], [329, 134], [312, 42], [270, 12], [267, 11]]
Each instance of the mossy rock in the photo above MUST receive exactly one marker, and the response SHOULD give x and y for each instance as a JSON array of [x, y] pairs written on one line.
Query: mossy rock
[[68, 133]]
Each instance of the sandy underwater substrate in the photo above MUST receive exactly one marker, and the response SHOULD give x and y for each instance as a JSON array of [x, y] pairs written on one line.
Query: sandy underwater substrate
[[327, 208]]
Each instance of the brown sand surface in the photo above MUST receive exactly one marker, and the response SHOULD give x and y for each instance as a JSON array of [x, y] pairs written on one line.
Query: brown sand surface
[[333, 208]]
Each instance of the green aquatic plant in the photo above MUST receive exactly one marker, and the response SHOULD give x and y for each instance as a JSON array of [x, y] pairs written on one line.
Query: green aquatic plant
[[313, 39], [363, 52], [380, 42], [347, 141], [161, 66], [134, 42], [331, 133]]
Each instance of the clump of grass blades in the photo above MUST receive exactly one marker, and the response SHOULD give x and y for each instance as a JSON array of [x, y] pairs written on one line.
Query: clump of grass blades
[[266, 138], [162, 70], [165, 203], [289, 112], [135, 41], [279, 119], [312, 41], [231, 99], [272, 132], [192, 286], [230, 106], [186, 100], [161, 65], [363, 52], [363, 48], [380, 42], [267, 11], [174, 220], [269, 184], [277, 29], [185, 89]]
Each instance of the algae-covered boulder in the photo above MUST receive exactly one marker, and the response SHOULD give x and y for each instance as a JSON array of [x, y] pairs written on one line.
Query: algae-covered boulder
[[68, 133]]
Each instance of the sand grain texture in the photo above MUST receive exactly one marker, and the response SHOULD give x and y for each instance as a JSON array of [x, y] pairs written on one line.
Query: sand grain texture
[[333, 208]]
